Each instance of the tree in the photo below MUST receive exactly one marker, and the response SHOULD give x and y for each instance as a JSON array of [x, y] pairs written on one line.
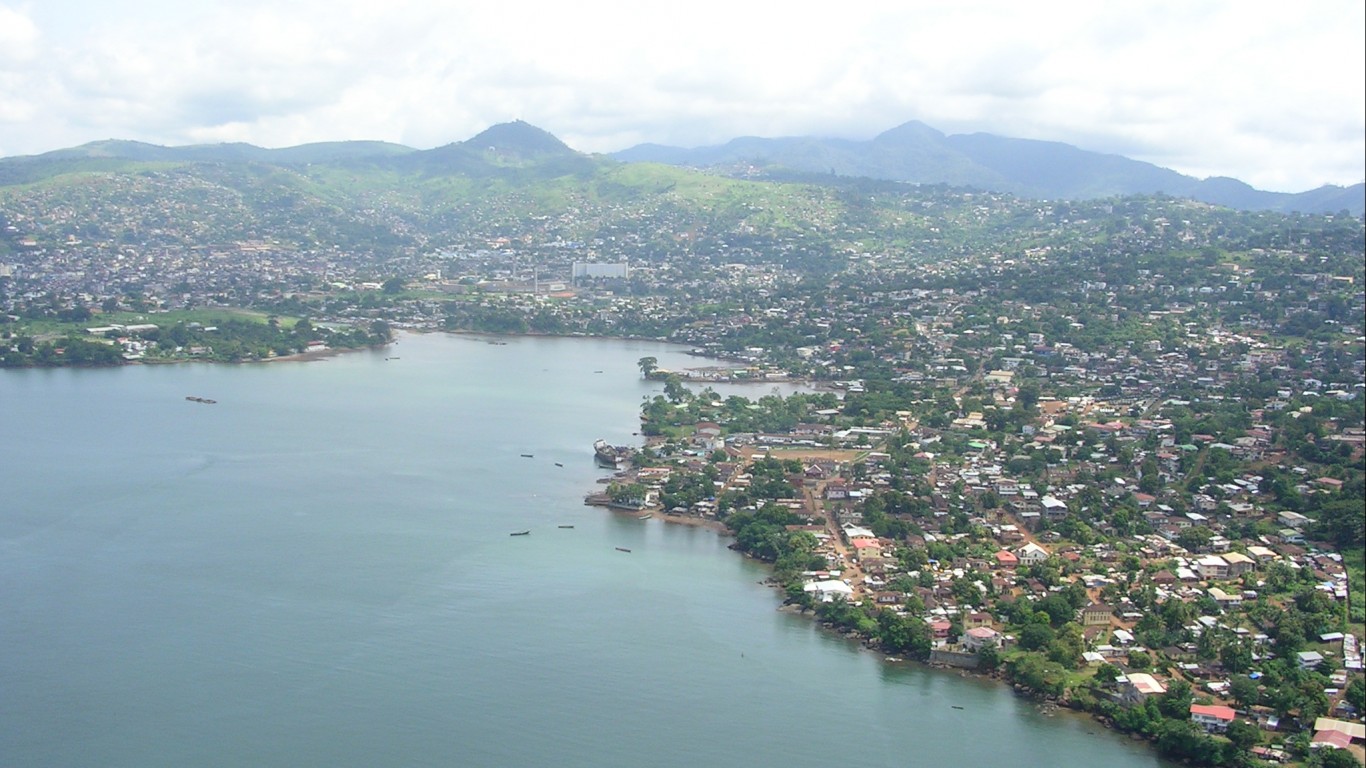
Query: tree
[[1036, 637], [1106, 673], [1176, 702], [648, 365], [1194, 538], [1334, 758], [1244, 735], [675, 391], [1356, 694], [1236, 656], [629, 494], [988, 657], [1243, 691], [1035, 672]]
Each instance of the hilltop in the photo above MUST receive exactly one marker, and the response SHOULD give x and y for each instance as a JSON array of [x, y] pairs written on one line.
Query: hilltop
[[917, 153], [522, 154]]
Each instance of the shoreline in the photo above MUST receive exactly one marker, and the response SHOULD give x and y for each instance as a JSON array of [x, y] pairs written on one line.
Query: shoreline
[[1047, 706]]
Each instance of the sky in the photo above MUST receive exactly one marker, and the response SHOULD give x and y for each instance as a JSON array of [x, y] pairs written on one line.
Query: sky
[[1273, 93]]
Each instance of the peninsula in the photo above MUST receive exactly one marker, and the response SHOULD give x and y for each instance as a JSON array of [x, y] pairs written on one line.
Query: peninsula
[[1109, 450]]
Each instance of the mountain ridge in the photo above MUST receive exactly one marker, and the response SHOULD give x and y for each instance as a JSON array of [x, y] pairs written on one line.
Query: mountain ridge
[[917, 153], [912, 152]]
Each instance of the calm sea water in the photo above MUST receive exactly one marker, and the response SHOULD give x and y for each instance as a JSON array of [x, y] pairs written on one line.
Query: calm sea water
[[317, 571]]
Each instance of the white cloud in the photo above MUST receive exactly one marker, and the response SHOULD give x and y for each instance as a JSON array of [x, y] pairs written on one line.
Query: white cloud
[[1269, 93]]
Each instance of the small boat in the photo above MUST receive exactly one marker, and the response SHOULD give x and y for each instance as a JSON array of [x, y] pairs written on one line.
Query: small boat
[[566, 526], [558, 464], [528, 456], [645, 516], [204, 400], [519, 533], [955, 706], [623, 549]]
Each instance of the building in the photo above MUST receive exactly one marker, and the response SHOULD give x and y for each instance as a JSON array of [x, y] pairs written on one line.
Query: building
[[828, 591], [1213, 718], [1212, 567], [978, 619], [1096, 614], [1032, 554], [587, 270], [981, 637], [1135, 686]]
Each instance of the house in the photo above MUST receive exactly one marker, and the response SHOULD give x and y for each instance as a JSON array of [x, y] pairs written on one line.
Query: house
[[1213, 718], [1353, 731], [978, 619], [939, 629], [1238, 563], [1309, 659], [981, 637], [1032, 554], [1053, 507], [1006, 559], [827, 591], [1330, 739], [1225, 599], [836, 489], [1135, 686], [866, 549], [1096, 614], [1212, 567], [1292, 520], [1330, 483]]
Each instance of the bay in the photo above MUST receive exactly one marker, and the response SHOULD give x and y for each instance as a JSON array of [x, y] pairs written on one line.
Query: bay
[[317, 569]]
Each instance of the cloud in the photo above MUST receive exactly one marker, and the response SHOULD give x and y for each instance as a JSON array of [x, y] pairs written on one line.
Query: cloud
[[1270, 93]]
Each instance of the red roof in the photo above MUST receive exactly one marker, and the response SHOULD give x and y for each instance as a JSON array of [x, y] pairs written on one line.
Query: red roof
[[1214, 710], [1333, 739]]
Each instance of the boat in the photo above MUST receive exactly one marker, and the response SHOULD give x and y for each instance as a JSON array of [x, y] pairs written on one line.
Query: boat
[[203, 400], [519, 533], [566, 526], [558, 464], [623, 549], [955, 706], [645, 516], [528, 456], [607, 454]]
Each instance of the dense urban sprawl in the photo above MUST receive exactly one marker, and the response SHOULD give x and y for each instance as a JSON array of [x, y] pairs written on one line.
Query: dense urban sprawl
[[1111, 451]]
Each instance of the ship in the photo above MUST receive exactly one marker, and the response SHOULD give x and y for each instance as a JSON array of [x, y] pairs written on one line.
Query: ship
[[608, 455]]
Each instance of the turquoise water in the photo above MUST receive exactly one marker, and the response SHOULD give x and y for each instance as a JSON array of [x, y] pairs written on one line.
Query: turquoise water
[[317, 570]]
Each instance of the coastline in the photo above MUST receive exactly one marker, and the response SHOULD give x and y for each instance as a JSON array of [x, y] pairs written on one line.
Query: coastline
[[1047, 706]]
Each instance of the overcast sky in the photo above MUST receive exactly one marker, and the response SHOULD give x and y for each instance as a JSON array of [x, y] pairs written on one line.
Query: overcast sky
[[1271, 93]]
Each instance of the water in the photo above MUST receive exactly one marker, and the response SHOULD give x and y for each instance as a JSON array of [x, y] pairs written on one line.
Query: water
[[317, 570]]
